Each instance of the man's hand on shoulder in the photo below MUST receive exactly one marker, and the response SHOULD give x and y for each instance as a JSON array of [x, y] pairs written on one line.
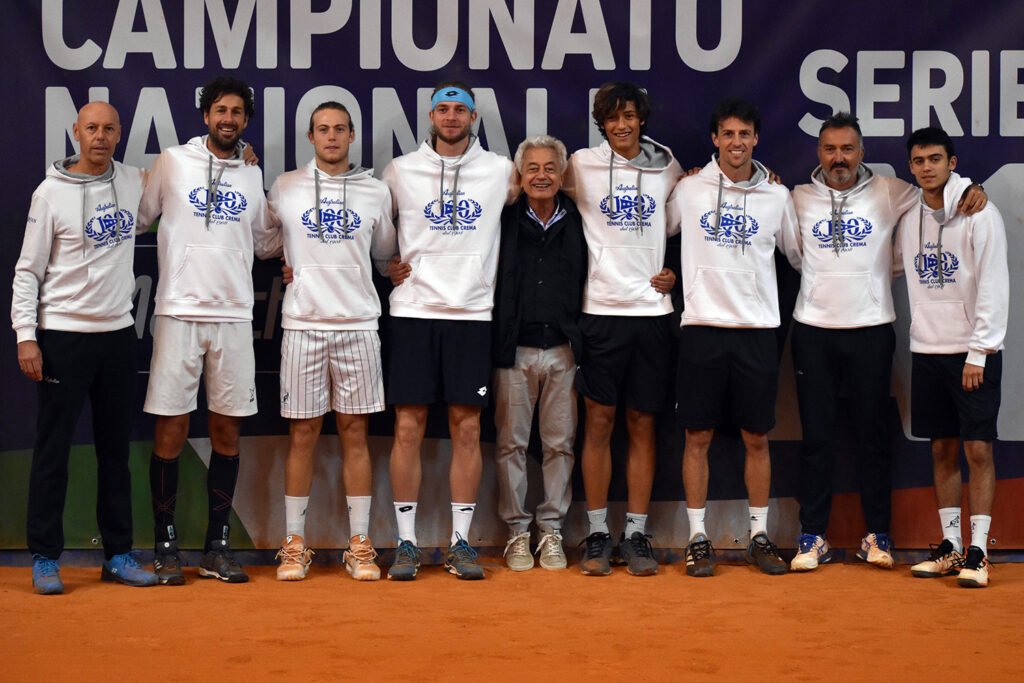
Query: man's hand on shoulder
[[973, 200]]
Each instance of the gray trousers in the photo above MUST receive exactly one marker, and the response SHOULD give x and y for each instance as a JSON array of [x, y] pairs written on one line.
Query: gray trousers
[[544, 378]]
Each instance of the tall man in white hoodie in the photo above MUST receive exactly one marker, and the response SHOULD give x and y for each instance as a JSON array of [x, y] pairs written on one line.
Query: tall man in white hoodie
[[842, 332], [213, 215], [448, 196], [732, 219], [958, 282], [334, 217], [72, 312], [622, 188]]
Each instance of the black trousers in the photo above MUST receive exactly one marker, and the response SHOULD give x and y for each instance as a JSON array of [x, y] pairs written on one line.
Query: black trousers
[[77, 365], [824, 360]]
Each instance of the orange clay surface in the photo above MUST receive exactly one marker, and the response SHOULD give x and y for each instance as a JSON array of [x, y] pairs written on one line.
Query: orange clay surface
[[842, 622]]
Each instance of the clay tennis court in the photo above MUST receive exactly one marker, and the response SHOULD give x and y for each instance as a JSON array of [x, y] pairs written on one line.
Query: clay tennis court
[[844, 622]]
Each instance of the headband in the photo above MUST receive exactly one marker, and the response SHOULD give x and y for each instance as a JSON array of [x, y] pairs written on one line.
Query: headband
[[452, 94]]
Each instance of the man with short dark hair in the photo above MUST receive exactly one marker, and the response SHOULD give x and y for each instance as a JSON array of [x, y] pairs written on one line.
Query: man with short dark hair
[[843, 334], [72, 312], [958, 283], [732, 220], [448, 197], [622, 189], [213, 216]]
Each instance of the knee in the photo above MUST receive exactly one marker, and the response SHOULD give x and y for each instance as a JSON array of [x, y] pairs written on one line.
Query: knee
[[409, 425], [979, 453], [639, 422], [699, 439], [599, 420]]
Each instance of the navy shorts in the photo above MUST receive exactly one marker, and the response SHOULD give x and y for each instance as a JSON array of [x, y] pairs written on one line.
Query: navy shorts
[[439, 361], [939, 406]]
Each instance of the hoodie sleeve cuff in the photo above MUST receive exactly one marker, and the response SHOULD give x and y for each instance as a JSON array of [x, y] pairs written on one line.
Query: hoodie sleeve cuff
[[976, 357], [26, 334]]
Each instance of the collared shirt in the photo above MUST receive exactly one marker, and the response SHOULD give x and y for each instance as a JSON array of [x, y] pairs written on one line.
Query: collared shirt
[[555, 217]]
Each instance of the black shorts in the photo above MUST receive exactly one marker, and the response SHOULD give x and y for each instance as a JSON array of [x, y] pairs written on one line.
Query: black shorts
[[629, 355], [939, 406], [727, 377], [439, 360]]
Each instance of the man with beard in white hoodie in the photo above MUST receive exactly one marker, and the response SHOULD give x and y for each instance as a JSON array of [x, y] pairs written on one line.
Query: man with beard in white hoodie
[[622, 189], [732, 219], [213, 216], [958, 282], [842, 332], [448, 196], [72, 312], [334, 217]]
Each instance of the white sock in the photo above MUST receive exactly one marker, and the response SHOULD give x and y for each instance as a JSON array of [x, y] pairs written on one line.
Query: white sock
[[696, 517], [358, 515], [598, 521], [950, 520], [979, 531], [462, 517], [405, 515], [295, 515], [758, 520], [635, 522]]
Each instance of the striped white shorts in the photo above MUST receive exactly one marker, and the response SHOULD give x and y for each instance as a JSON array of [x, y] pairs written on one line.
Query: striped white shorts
[[323, 370]]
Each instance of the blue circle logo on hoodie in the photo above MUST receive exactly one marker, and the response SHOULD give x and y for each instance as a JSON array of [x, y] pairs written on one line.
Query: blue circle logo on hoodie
[[851, 233], [109, 229], [929, 267], [335, 223], [628, 207], [226, 205], [731, 226], [461, 216]]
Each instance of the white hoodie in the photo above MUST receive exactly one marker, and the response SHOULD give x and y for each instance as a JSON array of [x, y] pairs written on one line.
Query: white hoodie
[[333, 286], [453, 253], [846, 275], [958, 278], [75, 270], [729, 235], [205, 249], [625, 250]]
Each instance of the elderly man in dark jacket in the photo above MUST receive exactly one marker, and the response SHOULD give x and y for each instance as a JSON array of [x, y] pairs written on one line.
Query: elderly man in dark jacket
[[541, 270]]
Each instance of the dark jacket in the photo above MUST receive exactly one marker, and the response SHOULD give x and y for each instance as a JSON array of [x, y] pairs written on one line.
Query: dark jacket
[[563, 269]]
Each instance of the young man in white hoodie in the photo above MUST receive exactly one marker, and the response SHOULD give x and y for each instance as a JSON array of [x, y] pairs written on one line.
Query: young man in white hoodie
[[213, 216], [622, 188], [72, 312], [334, 218], [448, 196], [958, 283], [732, 220], [842, 332]]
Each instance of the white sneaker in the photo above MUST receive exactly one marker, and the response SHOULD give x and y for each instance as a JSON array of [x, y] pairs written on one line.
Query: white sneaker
[[876, 549], [552, 555], [295, 559], [944, 559], [517, 552], [812, 551], [974, 573]]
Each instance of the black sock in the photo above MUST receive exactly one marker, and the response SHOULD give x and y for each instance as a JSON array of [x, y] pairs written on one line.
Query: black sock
[[163, 489], [220, 491]]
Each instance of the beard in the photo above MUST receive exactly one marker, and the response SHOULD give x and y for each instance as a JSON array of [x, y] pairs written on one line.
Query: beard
[[224, 143], [450, 140]]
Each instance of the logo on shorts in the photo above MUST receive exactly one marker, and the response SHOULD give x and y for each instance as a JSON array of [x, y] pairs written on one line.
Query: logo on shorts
[[252, 394], [482, 391], [454, 215], [852, 231], [284, 399], [336, 222], [930, 266], [110, 226], [226, 205], [734, 228], [627, 211]]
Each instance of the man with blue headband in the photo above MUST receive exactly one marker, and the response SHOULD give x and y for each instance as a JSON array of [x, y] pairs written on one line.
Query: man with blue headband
[[447, 197]]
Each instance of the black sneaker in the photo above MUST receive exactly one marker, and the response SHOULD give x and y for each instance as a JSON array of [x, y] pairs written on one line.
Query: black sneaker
[[596, 554], [167, 564], [219, 563], [762, 553], [700, 557], [637, 554]]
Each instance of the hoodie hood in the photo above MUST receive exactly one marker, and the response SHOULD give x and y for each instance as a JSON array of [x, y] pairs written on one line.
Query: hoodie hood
[[447, 163], [89, 184], [864, 177], [198, 145], [653, 155], [951, 194], [713, 171], [323, 181]]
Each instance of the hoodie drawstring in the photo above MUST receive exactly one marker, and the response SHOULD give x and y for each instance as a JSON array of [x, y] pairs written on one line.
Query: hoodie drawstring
[[838, 238], [344, 204], [455, 186], [639, 192], [211, 189], [938, 246]]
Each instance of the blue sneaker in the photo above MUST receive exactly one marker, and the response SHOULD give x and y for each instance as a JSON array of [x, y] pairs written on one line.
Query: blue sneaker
[[812, 550], [876, 549], [407, 562], [125, 569], [461, 561], [46, 576]]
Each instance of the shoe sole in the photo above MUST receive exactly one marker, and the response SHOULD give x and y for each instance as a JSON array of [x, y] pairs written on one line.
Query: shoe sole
[[56, 590], [292, 576], [596, 572], [554, 567], [971, 583], [824, 559], [922, 574], [106, 575], [178, 580], [650, 571], [363, 576], [465, 577], [700, 573], [403, 577], [524, 568], [210, 574], [770, 571]]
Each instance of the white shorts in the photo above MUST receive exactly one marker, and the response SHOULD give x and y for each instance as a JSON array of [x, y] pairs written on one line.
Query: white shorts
[[220, 352], [324, 370]]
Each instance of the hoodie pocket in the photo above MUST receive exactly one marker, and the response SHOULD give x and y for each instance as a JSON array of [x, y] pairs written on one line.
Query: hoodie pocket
[[211, 273], [107, 292], [451, 280], [941, 322], [724, 294], [846, 297], [330, 293], [623, 275]]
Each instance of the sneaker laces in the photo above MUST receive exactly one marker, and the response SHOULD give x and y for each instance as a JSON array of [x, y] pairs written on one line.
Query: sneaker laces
[[130, 562], [463, 551], [596, 543], [519, 544], [700, 550], [807, 542], [551, 544], [363, 552], [407, 553], [766, 546], [291, 554], [641, 544], [47, 567], [161, 558]]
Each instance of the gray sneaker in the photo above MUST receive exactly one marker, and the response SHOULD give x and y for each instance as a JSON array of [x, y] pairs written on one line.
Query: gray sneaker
[[638, 556], [461, 561], [517, 553], [596, 554], [700, 557], [763, 554], [407, 562], [219, 563], [167, 564], [552, 555]]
